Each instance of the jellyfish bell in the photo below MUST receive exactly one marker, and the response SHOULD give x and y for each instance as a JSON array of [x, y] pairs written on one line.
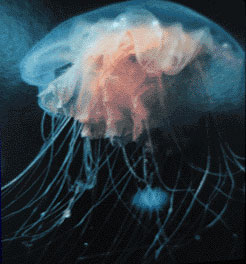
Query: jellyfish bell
[[115, 81], [129, 71]]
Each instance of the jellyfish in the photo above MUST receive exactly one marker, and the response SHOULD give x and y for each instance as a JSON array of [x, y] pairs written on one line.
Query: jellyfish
[[123, 88]]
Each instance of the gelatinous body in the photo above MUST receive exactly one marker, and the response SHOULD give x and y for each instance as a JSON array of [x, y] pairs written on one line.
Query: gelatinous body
[[151, 78], [150, 199], [127, 69]]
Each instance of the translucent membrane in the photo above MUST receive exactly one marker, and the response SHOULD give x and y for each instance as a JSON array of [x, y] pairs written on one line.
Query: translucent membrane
[[123, 69]]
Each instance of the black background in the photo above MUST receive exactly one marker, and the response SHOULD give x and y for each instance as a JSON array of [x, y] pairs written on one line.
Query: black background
[[21, 117]]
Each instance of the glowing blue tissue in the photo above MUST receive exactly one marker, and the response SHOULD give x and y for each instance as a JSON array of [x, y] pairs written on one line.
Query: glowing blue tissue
[[150, 199]]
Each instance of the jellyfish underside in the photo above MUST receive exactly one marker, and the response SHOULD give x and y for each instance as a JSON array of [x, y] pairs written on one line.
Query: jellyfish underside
[[123, 75]]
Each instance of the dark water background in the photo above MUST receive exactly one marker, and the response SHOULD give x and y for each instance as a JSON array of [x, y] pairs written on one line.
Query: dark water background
[[20, 119]]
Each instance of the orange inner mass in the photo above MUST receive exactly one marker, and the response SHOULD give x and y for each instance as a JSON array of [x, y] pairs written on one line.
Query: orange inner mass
[[116, 107], [125, 79]]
